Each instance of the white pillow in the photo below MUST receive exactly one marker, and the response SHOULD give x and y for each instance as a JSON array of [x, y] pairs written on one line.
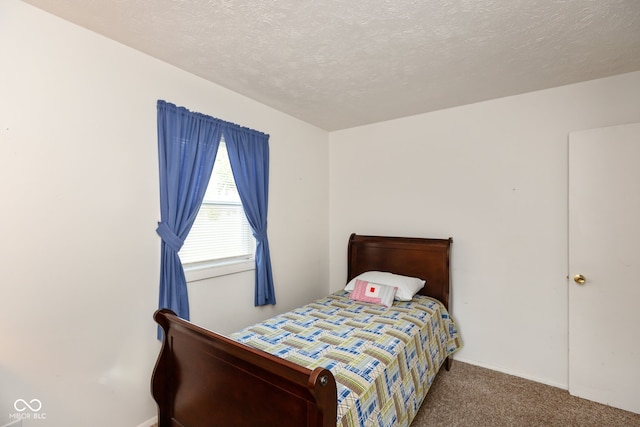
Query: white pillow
[[407, 286]]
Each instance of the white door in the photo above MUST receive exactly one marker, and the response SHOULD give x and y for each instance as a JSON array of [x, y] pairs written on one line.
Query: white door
[[604, 247]]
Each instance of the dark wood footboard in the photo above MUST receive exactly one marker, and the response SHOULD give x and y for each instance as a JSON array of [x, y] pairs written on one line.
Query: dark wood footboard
[[205, 379]]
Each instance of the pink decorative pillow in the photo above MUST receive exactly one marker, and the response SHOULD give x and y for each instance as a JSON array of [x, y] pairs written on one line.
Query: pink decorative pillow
[[373, 293], [407, 286]]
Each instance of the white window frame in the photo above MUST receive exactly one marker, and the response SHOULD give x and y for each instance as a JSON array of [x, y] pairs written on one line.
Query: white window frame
[[203, 270]]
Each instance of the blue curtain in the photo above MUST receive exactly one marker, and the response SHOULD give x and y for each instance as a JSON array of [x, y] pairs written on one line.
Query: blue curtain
[[249, 157], [187, 147]]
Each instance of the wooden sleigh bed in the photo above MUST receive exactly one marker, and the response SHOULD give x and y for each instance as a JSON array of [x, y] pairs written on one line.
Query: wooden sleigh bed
[[205, 379]]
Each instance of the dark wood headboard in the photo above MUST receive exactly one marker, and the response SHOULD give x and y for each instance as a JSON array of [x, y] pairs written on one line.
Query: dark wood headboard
[[427, 259]]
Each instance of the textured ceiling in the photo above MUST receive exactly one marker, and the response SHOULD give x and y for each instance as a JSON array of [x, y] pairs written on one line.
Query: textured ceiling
[[344, 63]]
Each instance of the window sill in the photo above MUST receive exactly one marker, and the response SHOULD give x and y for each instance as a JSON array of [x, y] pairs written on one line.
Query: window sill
[[196, 272]]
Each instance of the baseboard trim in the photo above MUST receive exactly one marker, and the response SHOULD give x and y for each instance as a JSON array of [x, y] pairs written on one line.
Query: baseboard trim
[[509, 372], [149, 423]]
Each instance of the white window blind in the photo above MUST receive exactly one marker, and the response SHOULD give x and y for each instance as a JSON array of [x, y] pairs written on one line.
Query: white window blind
[[221, 231]]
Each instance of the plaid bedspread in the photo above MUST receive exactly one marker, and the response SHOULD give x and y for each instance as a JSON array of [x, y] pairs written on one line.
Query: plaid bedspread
[[383, 359]]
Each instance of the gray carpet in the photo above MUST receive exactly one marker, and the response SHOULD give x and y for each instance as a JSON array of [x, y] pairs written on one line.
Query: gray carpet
[[469, 395]]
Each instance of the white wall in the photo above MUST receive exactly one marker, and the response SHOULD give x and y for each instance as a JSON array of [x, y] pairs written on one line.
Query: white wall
[[493, 176], [79, 194]]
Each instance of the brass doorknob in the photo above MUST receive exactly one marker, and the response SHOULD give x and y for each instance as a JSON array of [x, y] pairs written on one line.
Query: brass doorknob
[[579, 279]]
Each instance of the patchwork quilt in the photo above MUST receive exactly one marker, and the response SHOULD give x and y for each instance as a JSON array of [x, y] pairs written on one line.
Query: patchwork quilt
[[383, 359]]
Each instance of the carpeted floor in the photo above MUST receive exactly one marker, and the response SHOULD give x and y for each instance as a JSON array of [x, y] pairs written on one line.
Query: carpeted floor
[[469, 395]]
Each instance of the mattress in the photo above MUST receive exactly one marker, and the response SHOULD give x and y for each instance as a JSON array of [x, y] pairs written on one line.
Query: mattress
[[383, 359]]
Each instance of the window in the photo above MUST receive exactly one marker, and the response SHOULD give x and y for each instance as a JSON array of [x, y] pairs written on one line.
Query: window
[[221, 233]]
